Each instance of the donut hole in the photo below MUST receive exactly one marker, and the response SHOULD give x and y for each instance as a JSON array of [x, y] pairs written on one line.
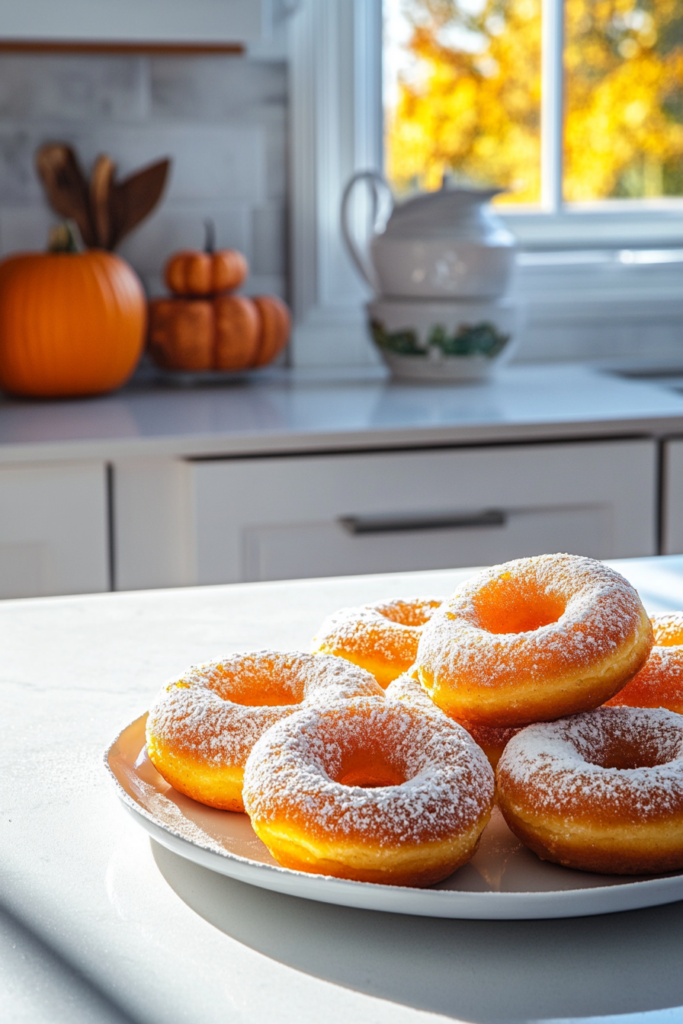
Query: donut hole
[[627, 753], [408, 613], [508, 605], [369, 770], [258, 686]]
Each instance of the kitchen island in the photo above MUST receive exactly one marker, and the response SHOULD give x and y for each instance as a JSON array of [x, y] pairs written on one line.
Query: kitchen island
[[292, 474], [99, 923]]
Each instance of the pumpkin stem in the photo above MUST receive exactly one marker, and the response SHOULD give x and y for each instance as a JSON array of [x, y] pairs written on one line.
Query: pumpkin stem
[[209, 236], [62, 238]]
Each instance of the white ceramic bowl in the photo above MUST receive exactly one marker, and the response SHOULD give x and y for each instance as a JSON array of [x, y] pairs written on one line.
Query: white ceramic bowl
[[443, 341]]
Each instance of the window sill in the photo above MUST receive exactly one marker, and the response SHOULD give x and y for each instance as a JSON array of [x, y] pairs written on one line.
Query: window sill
[[601, 225]]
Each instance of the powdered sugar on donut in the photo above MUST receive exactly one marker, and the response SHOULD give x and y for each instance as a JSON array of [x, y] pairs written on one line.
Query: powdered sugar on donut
[[602, 612], [554, 767], [388, 629], [292, 774], [212, 713], [659, 683]]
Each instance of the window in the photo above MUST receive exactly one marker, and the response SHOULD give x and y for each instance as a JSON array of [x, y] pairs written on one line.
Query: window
[[603, 298], [574, 102]]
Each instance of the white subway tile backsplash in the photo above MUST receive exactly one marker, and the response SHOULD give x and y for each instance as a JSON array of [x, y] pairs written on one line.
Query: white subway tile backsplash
[[208, 163], [222, 120], [217, 89], [18, 181], [73, 87], [24, 228], [268, 227]]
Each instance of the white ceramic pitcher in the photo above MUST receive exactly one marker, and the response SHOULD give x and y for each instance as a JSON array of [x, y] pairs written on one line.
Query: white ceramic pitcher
[[445, 244]]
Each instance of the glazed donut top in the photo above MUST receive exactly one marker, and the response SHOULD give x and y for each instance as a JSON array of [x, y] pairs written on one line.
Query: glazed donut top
[[387, 629], [620, 765], [218, 710], [542, 616], [303, 771]]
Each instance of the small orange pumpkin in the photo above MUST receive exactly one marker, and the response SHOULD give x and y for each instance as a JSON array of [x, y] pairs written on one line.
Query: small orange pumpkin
[[71, 323], [191, 272]]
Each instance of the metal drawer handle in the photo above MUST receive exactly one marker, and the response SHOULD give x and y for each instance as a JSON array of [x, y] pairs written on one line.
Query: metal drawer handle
[[422, 521]]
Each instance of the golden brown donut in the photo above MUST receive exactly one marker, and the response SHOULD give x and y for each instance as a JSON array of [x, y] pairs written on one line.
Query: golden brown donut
[[370, 790], [601, 791], [201, 728], [659, 683], [532, 640], [381, 638]]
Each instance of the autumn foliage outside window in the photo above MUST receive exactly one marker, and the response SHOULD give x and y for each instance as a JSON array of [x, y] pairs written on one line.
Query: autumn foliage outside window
[[464, 96]]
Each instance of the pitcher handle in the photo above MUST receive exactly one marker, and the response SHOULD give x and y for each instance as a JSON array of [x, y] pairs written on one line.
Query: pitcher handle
[[379, 190]]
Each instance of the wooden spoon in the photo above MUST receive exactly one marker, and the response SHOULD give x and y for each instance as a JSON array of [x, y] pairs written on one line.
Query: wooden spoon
[[66, 186], [101, 185], [133, 199]]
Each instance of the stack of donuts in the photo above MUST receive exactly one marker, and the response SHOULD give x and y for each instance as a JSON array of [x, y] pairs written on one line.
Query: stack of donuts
[[373, 757]]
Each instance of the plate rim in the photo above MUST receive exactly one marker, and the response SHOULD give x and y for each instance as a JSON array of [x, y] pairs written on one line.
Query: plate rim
[[521, 905]]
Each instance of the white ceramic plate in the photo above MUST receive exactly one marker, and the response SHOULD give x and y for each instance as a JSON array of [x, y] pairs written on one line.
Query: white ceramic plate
[[503, 880]]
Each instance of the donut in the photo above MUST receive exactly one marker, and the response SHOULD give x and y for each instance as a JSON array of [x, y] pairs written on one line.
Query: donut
[[659, 684], [491, 740], [381, 638], [408, 689], [533, 640], [601, 791], [369, 790], [202, 727]]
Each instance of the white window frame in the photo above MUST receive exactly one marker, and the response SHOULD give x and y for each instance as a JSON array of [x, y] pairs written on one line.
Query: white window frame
[[336, 127]]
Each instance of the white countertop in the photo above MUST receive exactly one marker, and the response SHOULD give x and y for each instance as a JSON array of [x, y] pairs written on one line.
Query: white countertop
[[99, 923], [285, 411]]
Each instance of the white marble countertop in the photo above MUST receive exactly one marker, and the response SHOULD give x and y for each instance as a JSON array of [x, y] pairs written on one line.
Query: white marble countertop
[[323, 411], [99, 923]]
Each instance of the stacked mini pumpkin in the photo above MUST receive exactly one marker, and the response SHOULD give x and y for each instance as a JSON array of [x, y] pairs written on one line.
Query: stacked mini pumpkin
[[204, 325]]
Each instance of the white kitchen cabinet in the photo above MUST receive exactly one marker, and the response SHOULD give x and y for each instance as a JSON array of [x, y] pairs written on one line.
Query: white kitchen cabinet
[[672, 498], [173, 22], [250, 519], [53, 530], [259, 519]]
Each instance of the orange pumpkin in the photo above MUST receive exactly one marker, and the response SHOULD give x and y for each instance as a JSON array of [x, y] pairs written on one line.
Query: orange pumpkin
[[71, 323], [238, 332], [205, 273], [275, 327], [228, 332], [181, 334]]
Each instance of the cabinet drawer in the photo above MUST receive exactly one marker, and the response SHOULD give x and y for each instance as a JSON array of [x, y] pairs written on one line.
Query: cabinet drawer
[[283, 518], [53, 530]]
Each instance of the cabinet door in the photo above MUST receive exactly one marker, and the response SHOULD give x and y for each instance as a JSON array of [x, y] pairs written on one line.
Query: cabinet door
[[672, 498], [132, 21], [53, 530], [292, 517]]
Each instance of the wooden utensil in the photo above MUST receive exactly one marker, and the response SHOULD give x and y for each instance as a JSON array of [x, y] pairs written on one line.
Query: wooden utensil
[[104, 210], [66, 187], [101, 183], [134, 198]]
